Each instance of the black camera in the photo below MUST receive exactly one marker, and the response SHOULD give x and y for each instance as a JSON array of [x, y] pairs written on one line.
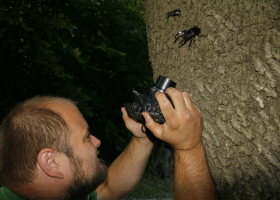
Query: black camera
[[147, 101]]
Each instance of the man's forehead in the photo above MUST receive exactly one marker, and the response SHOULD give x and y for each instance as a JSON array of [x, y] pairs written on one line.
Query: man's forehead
[[71, 114], [67, 111], [60, 107], [59, 102]]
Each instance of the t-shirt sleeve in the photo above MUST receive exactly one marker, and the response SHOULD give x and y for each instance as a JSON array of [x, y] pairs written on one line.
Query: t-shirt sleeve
[[92, 196]]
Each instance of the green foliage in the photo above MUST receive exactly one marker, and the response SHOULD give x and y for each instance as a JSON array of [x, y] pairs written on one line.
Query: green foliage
[[153, 188], [90, 51]]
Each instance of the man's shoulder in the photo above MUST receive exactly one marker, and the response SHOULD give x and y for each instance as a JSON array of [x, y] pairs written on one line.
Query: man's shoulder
[[7, 194]]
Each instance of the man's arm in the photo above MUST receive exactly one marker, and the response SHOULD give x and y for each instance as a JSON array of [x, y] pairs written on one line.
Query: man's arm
[[126, 171], [182, 130], [192, 176]]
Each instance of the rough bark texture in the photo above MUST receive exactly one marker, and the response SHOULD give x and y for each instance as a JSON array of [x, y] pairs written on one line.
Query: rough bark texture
[[232, 74]]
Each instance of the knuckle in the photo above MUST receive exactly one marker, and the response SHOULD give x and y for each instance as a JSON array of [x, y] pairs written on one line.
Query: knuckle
[[173, 124], [177, 93], [198, 113], [165, 105], [186, 116], [158, 94], [149, 122], [169, 89], [150, 125], [185, 94], [126, 125], [125, 120]]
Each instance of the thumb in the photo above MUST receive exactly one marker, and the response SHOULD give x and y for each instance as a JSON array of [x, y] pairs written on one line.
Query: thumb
[[154, 127], [124, 113]]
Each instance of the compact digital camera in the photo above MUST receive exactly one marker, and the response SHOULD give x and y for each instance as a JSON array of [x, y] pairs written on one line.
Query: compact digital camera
[[147, 101]]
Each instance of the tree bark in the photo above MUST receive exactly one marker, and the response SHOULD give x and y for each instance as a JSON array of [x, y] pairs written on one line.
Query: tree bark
[[232, 74]]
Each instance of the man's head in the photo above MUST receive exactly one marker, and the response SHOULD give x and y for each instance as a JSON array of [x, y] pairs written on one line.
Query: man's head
[[38, 134], [86, 169]]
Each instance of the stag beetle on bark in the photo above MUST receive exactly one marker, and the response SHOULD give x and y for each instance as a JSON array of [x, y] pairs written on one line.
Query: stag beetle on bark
[[187, 35], [173, 13]]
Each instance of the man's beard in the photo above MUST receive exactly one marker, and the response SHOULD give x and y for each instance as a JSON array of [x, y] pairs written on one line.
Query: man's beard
[[82, 185]]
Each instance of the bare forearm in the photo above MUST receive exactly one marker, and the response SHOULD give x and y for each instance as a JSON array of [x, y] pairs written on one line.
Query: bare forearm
[[192, 176], [127, 170]]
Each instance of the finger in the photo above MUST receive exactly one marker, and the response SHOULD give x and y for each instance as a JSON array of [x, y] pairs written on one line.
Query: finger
[[154, 127], [188, 101], [198, 111], [125, 115], [124, 112], [178, 100], [165, 106], [195, 106]]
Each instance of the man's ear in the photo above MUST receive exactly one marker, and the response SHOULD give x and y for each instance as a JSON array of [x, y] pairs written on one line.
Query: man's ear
[[47, 163]]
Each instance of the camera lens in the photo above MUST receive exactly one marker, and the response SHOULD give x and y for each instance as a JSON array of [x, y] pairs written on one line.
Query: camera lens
[[164, 83]]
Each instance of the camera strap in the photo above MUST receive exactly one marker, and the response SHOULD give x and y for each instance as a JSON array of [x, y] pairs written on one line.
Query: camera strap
[[168, 153]]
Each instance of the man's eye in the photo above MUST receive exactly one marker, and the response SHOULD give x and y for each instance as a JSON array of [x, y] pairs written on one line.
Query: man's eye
[[88, 136]]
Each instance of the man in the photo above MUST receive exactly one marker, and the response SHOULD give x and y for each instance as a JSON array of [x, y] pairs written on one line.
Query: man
[[47, 152]]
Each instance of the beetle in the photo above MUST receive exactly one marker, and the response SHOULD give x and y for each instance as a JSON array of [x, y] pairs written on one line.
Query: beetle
[[173, 13], [187, 35]]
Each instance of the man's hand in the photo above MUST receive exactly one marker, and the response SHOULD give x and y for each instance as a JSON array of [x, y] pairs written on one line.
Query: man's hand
[[132, 125], [182, 129], [183, 126]]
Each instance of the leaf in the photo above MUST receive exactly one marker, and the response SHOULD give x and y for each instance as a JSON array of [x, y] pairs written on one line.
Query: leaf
[[76, 53]]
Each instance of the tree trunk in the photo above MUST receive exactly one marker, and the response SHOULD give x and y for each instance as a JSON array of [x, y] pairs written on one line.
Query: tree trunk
[[232, 74]]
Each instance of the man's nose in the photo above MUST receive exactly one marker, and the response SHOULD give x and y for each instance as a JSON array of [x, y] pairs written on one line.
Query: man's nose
[[96, 142]]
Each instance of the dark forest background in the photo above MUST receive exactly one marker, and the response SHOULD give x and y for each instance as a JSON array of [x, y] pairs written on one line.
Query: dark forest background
[[92, 51]]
